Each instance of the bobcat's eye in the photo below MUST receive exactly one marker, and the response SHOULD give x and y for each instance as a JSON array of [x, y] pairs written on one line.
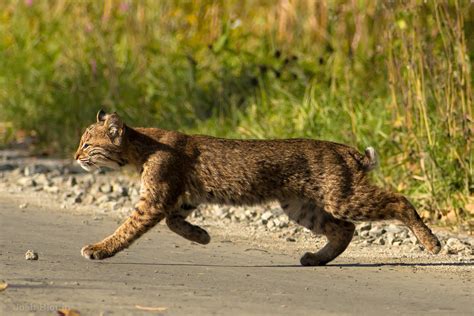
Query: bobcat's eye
[[85, 146]]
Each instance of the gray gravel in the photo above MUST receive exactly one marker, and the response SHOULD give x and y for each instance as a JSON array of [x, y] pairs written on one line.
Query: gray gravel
[[229, 276], [111, 193]]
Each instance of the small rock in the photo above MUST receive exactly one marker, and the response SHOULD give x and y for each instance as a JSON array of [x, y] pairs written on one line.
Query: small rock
[[397, 243], [454, 242], [376, 231], [470, 241], [407, 242], [196, 214], [276, 221], [120, 190], [295, 230], [290, 239], [270, 224], [78, 190], [31, 255], [26, 182], [235, 218], [29, 171], [454, 246], [67, 195], [24, 205], [52, 189], [42, 179], [222, 212], [103, 199], [115, 206], [93, 189], [390, 238], [72, 181], [106, 188], [34, 169], [364, 226], [392, 228], [250, 213], [266, 216], [403, 234], [77, 199], [379, 241], [89, 199], [282, 222]]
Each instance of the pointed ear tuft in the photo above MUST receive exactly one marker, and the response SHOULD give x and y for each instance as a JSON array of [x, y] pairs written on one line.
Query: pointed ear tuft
[[101, 116], [115, 128]]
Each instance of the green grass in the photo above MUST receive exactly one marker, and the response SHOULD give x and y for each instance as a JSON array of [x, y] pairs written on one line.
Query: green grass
[[393, 75]]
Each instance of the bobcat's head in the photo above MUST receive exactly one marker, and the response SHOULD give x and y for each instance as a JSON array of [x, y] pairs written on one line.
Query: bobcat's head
[[102, 143]]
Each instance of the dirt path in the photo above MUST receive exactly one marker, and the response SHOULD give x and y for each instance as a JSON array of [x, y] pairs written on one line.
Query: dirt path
[[226, 277]]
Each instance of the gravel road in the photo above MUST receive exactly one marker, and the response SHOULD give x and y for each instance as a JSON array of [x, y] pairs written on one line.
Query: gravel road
[[230, 276], [251, 266]]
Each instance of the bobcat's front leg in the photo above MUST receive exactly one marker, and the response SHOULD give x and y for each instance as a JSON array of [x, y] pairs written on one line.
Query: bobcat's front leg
[[145, 215]]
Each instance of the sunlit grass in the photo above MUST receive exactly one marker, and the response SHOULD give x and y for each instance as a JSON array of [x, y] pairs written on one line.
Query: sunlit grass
[[391, 75]]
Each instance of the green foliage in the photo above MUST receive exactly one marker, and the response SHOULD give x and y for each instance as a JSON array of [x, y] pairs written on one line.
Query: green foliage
[[393, 75]]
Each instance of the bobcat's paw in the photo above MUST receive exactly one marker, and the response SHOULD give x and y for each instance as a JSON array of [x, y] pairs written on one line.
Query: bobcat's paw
[[434, 247], [202, 237], [311, 259], [95, 252]]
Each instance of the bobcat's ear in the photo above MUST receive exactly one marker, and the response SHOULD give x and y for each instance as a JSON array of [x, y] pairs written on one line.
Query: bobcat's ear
[[101, 116], [115, 128]]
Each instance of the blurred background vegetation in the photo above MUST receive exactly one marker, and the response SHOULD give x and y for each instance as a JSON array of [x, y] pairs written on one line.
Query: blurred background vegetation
[[395, 75]]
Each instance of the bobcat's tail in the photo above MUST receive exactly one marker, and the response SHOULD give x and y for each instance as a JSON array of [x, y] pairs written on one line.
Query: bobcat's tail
[[370, 160]]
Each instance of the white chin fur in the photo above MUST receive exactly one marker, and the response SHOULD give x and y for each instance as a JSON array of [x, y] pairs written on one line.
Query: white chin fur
[[107, 164], [86, 167], [111, 165]]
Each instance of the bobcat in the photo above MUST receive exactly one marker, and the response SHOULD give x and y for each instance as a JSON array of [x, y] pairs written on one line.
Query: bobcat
[[320, 185]]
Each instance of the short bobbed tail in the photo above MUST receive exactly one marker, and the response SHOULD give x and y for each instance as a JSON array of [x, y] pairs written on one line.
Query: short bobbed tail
[[371, 160]]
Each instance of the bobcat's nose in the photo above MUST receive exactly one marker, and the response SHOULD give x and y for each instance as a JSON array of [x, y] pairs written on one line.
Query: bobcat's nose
[[76, 156]]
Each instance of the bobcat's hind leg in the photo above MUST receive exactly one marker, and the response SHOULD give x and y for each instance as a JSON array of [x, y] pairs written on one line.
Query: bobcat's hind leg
[[406, 212], [378, 204], [339, 233], [180, 226]]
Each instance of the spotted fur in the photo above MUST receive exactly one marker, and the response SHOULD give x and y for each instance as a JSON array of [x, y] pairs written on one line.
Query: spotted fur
[[320, 185]]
